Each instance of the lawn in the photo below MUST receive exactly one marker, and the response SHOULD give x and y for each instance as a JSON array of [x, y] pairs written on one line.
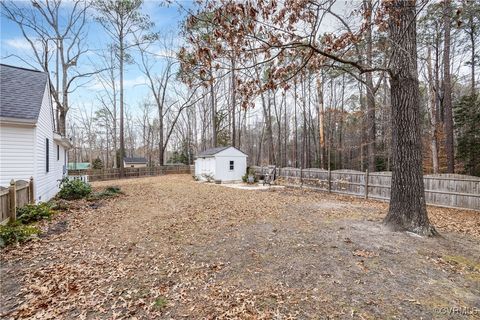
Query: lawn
[[171, 247]]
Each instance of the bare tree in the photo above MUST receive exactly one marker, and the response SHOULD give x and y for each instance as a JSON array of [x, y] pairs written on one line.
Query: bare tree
[[55, 31], [123, 22]]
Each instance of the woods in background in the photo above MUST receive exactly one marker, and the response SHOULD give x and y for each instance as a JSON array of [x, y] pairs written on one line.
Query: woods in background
[[314, 91]]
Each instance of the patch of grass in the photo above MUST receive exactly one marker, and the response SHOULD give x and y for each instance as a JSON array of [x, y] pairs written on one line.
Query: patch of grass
[[463, 262], [474, 277], [33, 212], [160, 302], [109, 192], [16, 232]]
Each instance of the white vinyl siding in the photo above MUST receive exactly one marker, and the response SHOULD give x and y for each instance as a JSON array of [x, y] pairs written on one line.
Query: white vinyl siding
[[23, 153], [16, 153], [46, 183]]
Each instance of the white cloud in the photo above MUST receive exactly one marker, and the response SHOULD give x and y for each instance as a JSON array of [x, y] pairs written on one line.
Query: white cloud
[[18, 43]]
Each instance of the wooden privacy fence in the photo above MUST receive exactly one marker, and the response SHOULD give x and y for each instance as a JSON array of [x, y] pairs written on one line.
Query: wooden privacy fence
[[18, 194], [448, 190], [114, 173]]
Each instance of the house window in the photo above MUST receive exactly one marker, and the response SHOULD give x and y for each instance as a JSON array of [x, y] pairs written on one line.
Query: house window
[[47, 155], [58, 152], [232, 166]]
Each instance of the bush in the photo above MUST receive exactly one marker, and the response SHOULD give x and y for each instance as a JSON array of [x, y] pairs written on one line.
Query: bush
[[16, 232], [250, 172], [74, 189], [33, 212]]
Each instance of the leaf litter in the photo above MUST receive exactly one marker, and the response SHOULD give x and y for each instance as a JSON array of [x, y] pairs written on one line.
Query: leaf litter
[[173, 248]]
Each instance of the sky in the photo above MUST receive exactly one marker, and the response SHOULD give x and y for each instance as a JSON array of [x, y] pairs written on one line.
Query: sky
[[167, 20]]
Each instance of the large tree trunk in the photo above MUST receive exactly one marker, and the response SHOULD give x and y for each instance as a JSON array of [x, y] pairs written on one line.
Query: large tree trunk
[[234, 94], [161, 143], [370, 123], [321, 121], [432, 115], [340, 126], [295, 123], [447, 88], [407, 210], [214, 112], [473, 53], [122, 133], [267, 109], [364, 136]]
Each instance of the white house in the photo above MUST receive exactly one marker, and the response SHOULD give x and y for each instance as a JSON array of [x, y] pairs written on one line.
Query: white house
[[225, 164], [134, 162], [29, 143]]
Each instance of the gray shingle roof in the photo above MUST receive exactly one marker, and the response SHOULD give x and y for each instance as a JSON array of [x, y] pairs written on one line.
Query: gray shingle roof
[[212, 151], [135, 160], [21, 92]]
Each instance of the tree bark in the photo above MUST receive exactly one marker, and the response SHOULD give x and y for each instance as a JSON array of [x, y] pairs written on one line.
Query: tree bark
[[407, 209], [447, 88], [432, 115], [340, 125], [122, 133], [234, 94], [473, 53], [371, 150], [267, 109], [214, 112], [321, 121]]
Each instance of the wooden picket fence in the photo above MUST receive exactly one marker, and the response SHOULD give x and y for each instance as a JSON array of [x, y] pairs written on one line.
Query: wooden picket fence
[[18, 194], [447, 190], [114, 173]]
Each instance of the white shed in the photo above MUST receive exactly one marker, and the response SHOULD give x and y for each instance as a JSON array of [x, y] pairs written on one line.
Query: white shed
[[30, 145], [225, 164]]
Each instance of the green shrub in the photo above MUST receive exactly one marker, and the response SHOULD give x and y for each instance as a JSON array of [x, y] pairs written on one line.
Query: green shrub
[[33, 212], [74, 189], [16, 232], [250, 172]]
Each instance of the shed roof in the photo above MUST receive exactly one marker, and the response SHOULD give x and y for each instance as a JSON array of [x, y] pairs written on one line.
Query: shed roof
[[21, 92], [213, 151], [135, 160], [78, 165]]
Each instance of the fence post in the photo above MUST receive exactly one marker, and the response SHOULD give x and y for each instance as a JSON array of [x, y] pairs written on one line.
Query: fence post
[[366, 184], [12, 195], [31, 194], [301, 177], [329, 180]]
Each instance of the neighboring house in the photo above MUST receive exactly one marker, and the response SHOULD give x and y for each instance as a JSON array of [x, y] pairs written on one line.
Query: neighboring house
[[134, 162], [78, 165], [29, 143], [225, 164]]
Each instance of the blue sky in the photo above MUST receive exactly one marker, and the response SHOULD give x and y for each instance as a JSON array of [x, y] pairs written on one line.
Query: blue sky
[[167, 20]]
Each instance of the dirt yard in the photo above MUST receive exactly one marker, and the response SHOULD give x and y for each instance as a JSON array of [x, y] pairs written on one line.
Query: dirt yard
[[174, 248]]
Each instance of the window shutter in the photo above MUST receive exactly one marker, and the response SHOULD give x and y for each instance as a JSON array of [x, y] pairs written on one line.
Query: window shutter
[[47, 155]]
